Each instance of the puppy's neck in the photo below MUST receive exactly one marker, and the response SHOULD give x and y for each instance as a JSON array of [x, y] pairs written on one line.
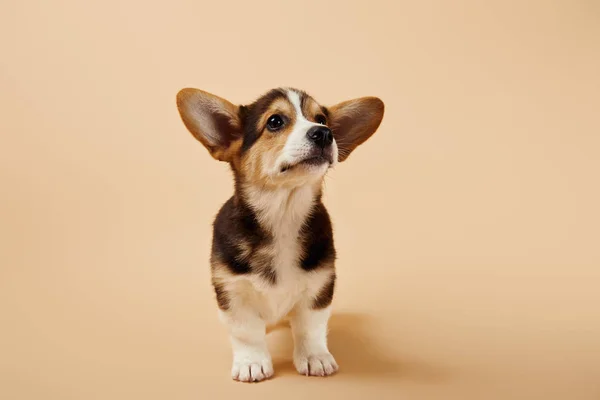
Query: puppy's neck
[[281, 210]]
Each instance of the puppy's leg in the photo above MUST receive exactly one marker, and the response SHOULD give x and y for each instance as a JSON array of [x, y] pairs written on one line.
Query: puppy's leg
[[251, 358], [309, 328]]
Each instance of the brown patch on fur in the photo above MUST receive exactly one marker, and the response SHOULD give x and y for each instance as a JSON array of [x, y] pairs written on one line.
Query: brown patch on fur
[[221, 295], [262, 263], [265, 151], [310, 108], [245, 249], [325, 296], [282, 107], [231, 153]]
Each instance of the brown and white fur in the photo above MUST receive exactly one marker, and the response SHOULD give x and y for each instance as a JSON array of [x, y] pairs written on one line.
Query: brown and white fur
[[273, 253]]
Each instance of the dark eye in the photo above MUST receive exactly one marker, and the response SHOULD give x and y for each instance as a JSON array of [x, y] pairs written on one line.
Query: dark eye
[[320, 119], [275, 122]]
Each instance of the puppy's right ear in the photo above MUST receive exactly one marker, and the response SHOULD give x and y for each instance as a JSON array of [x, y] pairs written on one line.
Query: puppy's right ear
[[214, 121]]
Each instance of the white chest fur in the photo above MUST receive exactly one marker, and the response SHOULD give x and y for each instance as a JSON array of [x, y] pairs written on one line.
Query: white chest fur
[[284, 211]]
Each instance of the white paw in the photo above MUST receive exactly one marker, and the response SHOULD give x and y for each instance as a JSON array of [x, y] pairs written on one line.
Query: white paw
[[316, 364], [252, 370]]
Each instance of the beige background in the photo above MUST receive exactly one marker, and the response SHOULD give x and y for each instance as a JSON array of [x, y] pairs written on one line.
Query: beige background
[[468, 227]]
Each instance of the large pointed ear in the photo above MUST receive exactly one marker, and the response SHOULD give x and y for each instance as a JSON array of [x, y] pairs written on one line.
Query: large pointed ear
[[214, 121], [353, 122]]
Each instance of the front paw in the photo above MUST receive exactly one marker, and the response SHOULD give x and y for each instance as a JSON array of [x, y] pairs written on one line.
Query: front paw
[[252, 369], [322, 364]]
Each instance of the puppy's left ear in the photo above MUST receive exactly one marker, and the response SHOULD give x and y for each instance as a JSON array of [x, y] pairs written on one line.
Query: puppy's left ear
[[353, 122]]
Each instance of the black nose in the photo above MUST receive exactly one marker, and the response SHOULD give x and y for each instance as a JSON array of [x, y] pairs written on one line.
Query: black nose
[[320, 135]]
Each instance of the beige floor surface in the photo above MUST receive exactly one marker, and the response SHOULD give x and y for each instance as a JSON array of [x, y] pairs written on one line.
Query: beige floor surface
[[468, 228]]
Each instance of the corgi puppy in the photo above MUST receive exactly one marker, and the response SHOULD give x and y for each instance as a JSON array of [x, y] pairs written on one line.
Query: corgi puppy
[[272, 253]]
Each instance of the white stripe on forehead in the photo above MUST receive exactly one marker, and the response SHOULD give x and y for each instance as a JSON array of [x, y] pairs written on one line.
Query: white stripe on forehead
[[297, 145], [294, 98]]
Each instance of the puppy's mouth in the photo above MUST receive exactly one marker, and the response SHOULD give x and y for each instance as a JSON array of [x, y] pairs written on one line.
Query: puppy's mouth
[[309, 161]]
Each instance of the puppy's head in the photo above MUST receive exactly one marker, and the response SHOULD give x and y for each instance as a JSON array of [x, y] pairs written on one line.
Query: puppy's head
[[283, 138]]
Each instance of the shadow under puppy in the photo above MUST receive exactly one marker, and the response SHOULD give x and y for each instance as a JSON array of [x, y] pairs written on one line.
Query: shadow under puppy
[[273, 253]]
